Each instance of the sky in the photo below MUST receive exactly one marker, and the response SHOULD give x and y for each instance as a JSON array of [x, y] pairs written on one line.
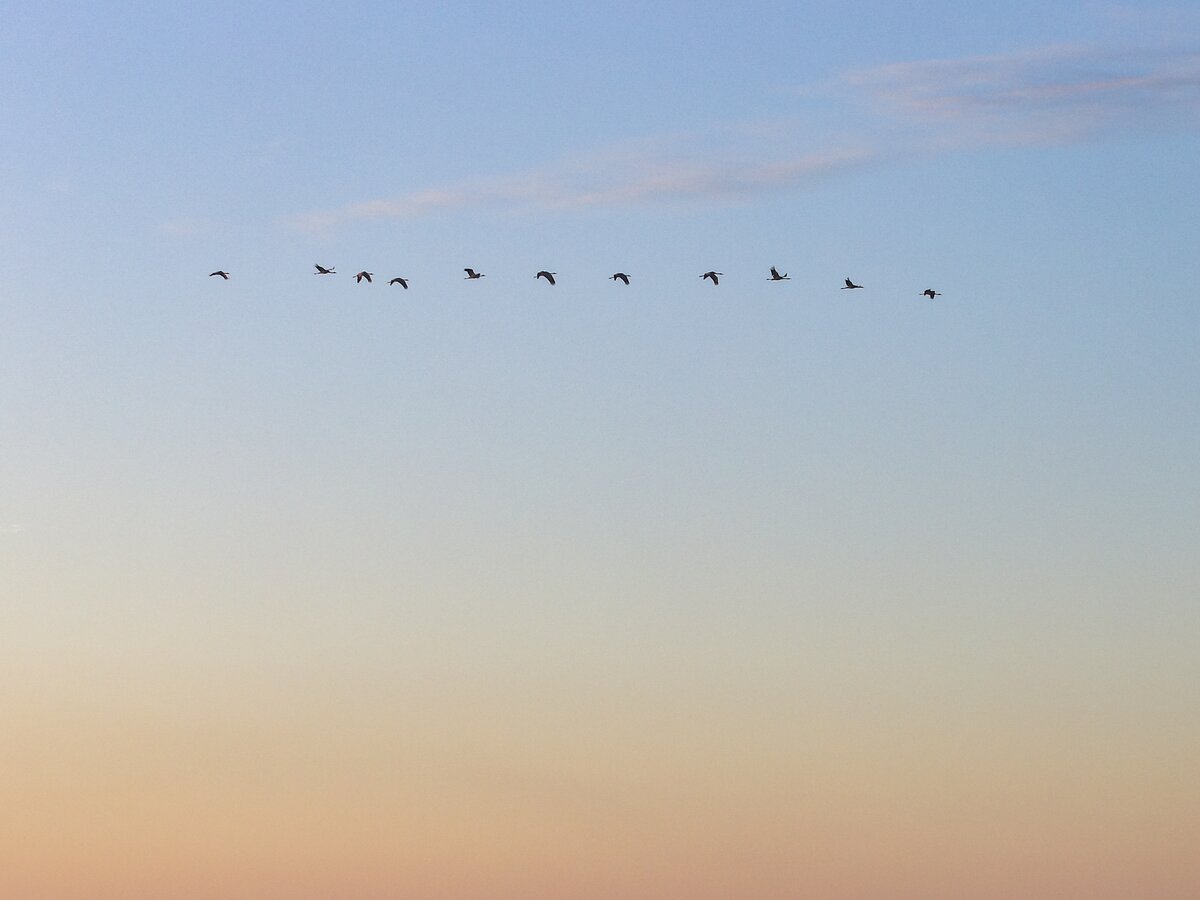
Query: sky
[[670, 591]]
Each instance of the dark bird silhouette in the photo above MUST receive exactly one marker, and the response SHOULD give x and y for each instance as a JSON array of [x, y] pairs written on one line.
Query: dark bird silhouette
[[549, 276], [619, 276], [775, 276], [223, 274], [364, 274], [471, 273], [321, 270], [403, 282], [849, 285], [930, 293], [712, 276]]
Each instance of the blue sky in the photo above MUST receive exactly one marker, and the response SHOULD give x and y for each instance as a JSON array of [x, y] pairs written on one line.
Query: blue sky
[[248, 124], [494, 504]]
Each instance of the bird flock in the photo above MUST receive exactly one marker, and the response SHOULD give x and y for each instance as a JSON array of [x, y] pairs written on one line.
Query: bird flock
[[472, 275]]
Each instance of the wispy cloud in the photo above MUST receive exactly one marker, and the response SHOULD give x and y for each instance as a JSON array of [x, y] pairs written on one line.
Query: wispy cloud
[[604, 181], [1049, 95]]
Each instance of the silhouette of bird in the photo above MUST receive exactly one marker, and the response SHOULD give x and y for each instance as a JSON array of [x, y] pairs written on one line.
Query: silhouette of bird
[[471, 273], [403, 282], [930, 293], [619, 276], [850, 285], [223, 274], [321, 270], [775, 276], [364, 274], [549, 276], [712, 276]]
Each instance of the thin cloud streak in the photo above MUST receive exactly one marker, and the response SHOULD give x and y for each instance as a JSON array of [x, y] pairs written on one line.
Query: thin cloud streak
[[1057, 94], [1048, 95], [600, 185]]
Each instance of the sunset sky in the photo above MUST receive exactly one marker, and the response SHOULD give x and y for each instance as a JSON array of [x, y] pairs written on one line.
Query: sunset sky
[[497, 590]]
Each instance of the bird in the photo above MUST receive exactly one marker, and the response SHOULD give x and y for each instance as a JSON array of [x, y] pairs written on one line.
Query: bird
[[712, 276], [223, 274], [775, 276], [619, 276], [471, 273], [930, 293], [403, 282], [363, 274], [321, 270], [549, 276], [850, 284]]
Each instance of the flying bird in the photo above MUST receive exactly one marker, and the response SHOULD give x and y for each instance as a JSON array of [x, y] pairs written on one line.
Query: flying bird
[[471, 273], [403, 282], [712, 276], [223, 274], [775, 276], [930, 293], [321, 270], [850, 285], [364, 274], [619, 276], [549, 276]]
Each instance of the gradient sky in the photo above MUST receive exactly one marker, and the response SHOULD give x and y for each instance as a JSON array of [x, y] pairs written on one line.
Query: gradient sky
[[494, 589]]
